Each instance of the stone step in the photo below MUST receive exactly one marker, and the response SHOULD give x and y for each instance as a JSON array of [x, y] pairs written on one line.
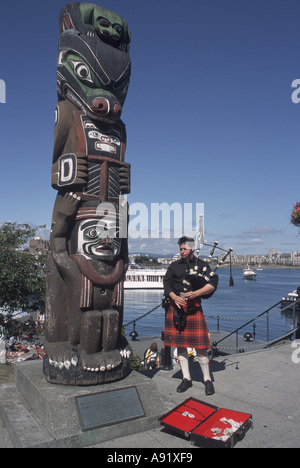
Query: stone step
[[23, 429]]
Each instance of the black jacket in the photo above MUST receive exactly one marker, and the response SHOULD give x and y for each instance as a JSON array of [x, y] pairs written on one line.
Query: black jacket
[[178, 271]]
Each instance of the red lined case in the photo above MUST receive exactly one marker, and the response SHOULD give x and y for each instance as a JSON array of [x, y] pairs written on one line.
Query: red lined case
[[195, 419]]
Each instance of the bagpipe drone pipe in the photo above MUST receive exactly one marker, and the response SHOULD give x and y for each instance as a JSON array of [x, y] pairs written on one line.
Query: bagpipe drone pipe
[[197, 279]]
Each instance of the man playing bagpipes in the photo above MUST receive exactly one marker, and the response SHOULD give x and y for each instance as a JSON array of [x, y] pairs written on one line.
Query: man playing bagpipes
[[185, 325]]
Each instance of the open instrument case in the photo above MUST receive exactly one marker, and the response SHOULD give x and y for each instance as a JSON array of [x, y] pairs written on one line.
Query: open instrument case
[[207, 425]]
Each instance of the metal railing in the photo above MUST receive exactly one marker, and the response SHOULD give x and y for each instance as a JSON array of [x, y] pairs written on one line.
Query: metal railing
[[291, 334], [267, 313]]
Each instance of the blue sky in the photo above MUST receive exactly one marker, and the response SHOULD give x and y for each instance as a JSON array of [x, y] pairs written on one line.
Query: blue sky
[[209, 114]]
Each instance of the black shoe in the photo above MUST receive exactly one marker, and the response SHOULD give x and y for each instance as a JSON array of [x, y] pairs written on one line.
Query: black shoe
[[184, 386], [209, 388]]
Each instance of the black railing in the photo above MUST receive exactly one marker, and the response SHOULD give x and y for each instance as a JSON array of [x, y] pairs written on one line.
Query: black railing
[[291, 334], [215, 346]]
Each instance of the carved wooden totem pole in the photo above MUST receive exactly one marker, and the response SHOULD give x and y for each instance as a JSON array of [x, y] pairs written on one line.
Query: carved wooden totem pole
[[89, 256]]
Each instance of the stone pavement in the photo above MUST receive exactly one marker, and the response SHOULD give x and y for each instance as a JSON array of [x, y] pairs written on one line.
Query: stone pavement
[[263, 383]]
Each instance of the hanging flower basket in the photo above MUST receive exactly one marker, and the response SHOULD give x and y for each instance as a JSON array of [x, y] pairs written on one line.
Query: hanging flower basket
[[295, 216]]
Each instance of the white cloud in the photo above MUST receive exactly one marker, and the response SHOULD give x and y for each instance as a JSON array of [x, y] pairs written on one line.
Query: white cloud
[[256, 242]]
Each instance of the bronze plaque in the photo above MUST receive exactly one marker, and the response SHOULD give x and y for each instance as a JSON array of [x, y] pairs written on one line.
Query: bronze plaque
[[107, 408]]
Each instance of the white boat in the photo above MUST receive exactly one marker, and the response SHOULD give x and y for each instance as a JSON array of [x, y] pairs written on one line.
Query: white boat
[[290, 300], [249, 274], [144, 278]]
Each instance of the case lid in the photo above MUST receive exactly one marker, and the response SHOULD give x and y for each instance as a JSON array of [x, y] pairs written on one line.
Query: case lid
[[188, 415]]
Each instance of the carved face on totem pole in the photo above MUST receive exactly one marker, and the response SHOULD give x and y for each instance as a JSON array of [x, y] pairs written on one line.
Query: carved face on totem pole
[[94, 67], [98, 240], [89, 257], [99, 237]]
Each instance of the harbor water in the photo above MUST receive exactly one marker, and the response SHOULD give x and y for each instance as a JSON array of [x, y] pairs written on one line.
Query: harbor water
[[234, 305]]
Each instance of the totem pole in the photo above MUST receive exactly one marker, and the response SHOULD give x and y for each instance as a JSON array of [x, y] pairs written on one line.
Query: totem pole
[[89, 254]]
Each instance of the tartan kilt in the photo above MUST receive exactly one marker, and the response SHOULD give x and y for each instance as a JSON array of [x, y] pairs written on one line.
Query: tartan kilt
[[195, 335]]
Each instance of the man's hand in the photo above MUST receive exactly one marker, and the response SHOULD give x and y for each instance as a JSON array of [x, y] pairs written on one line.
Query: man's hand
[[191, 295], [179, 301], [207, 289]]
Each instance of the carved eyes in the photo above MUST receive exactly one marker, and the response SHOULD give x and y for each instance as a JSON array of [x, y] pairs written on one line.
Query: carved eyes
[[92, 234], [82, 71], [118, 29], [113, 31]]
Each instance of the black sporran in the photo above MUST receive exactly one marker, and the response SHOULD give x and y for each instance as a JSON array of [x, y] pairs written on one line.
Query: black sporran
[[179, 319]]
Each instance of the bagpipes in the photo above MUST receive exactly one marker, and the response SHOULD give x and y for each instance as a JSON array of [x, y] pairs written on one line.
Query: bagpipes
[[196, 279]]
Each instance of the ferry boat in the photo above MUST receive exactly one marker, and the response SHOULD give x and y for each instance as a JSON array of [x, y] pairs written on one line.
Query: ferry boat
[[144, 278], [290, 300], [249, 274]]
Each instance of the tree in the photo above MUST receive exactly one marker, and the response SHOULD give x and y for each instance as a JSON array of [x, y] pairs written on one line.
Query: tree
[[22, 277]]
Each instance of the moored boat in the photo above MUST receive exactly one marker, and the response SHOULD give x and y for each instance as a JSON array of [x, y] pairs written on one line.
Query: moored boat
[[291, 299], [144, 278], [249, 274]]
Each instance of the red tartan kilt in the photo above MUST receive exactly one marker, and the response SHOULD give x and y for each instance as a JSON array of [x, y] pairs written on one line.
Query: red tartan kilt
[[195, 334]]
